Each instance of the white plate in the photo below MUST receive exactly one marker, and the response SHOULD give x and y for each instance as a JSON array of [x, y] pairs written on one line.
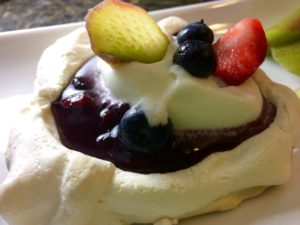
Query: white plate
[[20, 51]]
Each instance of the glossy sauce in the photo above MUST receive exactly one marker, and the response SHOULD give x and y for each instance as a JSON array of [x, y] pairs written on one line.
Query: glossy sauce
[[87, 117]]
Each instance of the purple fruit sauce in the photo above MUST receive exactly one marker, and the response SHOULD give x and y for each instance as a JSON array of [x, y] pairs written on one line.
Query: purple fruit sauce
[[86, 112]]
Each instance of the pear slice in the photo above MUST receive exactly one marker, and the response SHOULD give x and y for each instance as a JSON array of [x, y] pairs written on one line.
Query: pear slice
[[285, 31], [288, 56], [298, 92], [284, 42], [126, 32]]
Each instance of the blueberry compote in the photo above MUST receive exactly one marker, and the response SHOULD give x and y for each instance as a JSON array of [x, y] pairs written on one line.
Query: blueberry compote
[[87, 116]]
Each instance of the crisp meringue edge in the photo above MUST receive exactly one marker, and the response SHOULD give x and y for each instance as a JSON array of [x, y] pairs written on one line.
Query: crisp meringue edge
[[55, 185]]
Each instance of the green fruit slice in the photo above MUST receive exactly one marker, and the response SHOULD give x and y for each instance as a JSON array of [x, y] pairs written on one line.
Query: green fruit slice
[[288, 56], [286, 30], [126, 32], [298, 92]]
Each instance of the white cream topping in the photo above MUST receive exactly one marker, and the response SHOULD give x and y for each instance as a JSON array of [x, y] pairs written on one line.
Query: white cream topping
[[166, 90]]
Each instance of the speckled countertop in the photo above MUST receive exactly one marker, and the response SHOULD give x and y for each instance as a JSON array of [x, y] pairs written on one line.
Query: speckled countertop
[[22, 14]]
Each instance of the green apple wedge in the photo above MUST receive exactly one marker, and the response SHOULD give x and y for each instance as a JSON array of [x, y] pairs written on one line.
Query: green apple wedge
[[288, 56], [284, 42], [126, 32], [286, 30], [298, 92]]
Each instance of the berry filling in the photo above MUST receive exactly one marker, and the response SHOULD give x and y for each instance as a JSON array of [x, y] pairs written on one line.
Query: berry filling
[[91, 120]]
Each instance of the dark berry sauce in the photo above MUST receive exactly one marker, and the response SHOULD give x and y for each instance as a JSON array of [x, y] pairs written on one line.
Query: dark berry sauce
[[87, 117]]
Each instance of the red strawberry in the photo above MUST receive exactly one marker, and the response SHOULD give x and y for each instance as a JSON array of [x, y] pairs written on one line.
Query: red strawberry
[[240, 51]]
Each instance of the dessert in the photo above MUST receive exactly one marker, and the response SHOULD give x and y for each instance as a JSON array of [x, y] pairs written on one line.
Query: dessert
[[57, 177]]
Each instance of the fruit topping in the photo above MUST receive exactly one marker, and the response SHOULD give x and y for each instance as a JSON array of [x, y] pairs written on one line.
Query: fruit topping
[[195, 31], [197, 57], [86, 109], [138, 135], [126, 32], [93, 121], [240, 51]]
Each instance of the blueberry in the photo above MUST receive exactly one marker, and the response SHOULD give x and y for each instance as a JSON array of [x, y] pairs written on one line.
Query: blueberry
[[196, 57], [137, 135], [195, 31]]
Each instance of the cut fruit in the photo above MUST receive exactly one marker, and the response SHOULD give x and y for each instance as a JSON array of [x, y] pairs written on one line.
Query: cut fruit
[[298, 92], [240, 51], [286, 30], [288, 56], [126, 32], [197, 57], [284, 42]]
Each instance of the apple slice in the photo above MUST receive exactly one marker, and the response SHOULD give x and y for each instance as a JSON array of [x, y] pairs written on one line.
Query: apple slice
[[126, 32], [288, 56], [285, 31], [284, 41], [298, 92]]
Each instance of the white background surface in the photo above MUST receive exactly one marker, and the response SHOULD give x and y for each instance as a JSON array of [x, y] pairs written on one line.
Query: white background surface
[[20, 51]]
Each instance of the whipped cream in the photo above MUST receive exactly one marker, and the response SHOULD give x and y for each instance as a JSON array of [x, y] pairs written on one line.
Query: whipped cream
[[167, 90]]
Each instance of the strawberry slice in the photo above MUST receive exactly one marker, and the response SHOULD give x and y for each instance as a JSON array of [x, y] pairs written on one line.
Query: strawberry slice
[[240, 51], [126, 32]]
